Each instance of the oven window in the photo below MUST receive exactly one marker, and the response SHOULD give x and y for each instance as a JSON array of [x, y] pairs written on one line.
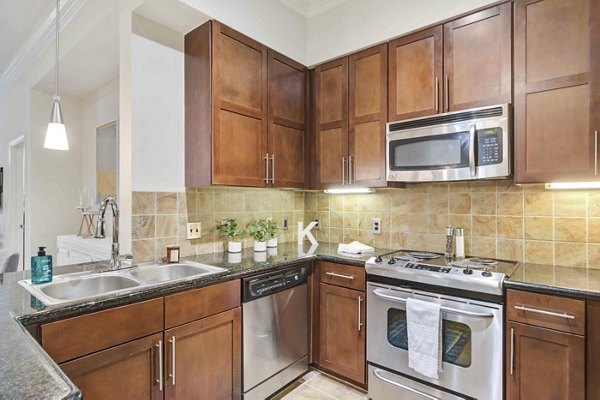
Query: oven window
[[456, 337]]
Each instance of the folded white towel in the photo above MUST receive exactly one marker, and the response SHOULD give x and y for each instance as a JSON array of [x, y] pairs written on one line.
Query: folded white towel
[[424, 322], [355, 248]]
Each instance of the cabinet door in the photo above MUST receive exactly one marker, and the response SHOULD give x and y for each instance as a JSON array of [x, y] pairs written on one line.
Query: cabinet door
[[239, 95], [546, 364], [203, 358], [331, 123], [342, 332], [287, 121], [128, 371], [593, 350], [557, 90], [415, 74], [367, 95], [478, 59]]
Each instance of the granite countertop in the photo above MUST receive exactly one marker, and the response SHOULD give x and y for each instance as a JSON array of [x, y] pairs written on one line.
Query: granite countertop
[[26, 371], [553, 279]]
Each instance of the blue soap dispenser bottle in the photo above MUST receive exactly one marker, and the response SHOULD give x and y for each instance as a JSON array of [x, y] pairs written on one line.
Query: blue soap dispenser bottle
[[41, 267]]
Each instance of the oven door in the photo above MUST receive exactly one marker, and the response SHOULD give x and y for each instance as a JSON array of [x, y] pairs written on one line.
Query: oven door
[[471, 339]]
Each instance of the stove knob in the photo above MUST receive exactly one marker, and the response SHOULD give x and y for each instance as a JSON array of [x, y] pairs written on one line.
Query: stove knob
[[468, 271], [391, 260], [378, 260], [486, 274]]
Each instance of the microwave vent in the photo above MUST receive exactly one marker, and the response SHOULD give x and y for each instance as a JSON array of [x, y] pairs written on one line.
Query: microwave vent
[[446, 118]]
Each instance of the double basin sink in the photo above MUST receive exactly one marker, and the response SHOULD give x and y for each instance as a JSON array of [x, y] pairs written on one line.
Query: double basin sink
[[85, 285]]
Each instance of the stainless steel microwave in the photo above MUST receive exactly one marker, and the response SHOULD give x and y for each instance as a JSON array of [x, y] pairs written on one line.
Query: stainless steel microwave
[[456, 146]]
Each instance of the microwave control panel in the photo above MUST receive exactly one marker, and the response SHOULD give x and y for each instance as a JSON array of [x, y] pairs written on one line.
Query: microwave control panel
[[489, 148]]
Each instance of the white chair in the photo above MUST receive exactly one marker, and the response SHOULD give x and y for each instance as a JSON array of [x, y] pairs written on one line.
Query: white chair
[[9, 261]]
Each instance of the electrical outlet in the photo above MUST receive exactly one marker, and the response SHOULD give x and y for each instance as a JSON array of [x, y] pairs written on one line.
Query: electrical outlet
[[194, 230], [376, 226], [318, 225], [285, 223]]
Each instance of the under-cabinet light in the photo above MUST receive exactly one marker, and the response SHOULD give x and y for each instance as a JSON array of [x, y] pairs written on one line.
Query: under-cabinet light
[[349, 190], [573, 185]]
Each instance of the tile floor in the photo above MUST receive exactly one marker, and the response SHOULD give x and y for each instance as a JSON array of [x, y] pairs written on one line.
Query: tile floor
[[317, 386]]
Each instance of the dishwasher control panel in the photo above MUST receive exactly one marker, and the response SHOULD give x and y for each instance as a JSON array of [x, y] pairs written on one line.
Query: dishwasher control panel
[[258, 286]]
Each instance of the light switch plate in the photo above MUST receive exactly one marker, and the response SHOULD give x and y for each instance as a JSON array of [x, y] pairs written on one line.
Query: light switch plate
[[194, 230]]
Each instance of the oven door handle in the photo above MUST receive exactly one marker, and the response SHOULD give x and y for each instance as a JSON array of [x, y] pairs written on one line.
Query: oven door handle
[[377, 373], [377, 292]]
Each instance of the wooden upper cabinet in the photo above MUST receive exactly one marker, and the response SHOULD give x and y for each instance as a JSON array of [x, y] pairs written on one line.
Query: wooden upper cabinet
[[415, 74], [557, 90], [331, 122], [367, 94], [239, 91], [242, 102], [477, 59], [287, 138]]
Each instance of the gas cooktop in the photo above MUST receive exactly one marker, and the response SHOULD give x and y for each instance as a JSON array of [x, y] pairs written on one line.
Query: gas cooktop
[[474, 274]]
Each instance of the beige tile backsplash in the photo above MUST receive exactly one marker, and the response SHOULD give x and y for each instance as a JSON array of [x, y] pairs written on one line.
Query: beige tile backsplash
[[159, 219], [500, 219]]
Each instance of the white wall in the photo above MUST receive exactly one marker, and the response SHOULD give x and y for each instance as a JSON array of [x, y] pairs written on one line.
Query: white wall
[[158, 116], [357, 24], [53, 174]]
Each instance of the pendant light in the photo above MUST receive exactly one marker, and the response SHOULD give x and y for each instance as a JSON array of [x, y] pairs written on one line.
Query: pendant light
[[56, 134]]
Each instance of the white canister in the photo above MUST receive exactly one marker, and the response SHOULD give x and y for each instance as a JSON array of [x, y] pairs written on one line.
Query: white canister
[[460, 243], [234, 247], [272, 242], [260, 246]]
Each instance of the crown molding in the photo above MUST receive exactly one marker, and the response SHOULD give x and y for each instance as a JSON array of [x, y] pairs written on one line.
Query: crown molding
[[39, 39]]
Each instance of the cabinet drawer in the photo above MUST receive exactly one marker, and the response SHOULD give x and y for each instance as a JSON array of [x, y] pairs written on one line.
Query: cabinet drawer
[[343, 275], [554, 312], [200, 303], [75, 337]]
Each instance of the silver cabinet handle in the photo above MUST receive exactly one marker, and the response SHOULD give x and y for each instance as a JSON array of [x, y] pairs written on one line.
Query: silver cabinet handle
[[472, 166], [377, 373], [349, 277], [273, 169], [544, 312], [437, 94], [160, 365], [350, 170], [595, 152], [172, 374], [512, 350], [266, 178], [378, 293], [360, 324], [343, 170], [447, 93]]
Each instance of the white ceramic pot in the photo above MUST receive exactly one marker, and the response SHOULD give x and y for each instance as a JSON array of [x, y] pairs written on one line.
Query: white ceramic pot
[[234, 247], [272, 242], [234, 258], [260, 246], [260, 256]]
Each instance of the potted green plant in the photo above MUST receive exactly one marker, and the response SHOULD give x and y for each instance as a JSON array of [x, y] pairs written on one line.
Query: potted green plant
[[272, 229], [230, 230], [259, 232]]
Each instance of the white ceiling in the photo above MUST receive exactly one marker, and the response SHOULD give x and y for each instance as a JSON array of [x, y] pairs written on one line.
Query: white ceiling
[[91, 64], [172, 14], [310, 8], [17, 20]]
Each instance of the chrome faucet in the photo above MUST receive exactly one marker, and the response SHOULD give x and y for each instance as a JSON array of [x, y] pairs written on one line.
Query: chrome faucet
[[115, 258]]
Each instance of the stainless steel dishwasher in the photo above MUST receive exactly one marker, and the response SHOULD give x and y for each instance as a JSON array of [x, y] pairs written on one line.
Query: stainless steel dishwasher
[[275, 331]]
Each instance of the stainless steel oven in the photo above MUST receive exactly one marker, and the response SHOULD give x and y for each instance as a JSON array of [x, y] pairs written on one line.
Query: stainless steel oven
[[463, 145], [471, 347]]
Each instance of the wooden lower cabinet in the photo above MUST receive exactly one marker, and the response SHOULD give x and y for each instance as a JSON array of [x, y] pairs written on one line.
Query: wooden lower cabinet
[[342, 329], [203, 358], [546, 364], [127, 371], [593, 349]]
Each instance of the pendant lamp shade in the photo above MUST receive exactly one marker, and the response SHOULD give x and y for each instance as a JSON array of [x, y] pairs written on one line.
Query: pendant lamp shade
[[56, 134]]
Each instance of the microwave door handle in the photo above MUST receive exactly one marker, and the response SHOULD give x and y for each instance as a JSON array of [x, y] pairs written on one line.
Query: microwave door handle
[[472, 165], [377, 293]]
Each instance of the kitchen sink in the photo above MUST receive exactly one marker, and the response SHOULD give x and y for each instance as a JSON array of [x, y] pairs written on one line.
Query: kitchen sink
[[172, 272], [66, 288]]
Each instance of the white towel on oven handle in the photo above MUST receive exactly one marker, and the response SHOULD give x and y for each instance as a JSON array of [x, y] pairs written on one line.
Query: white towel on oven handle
[[424, 326]]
